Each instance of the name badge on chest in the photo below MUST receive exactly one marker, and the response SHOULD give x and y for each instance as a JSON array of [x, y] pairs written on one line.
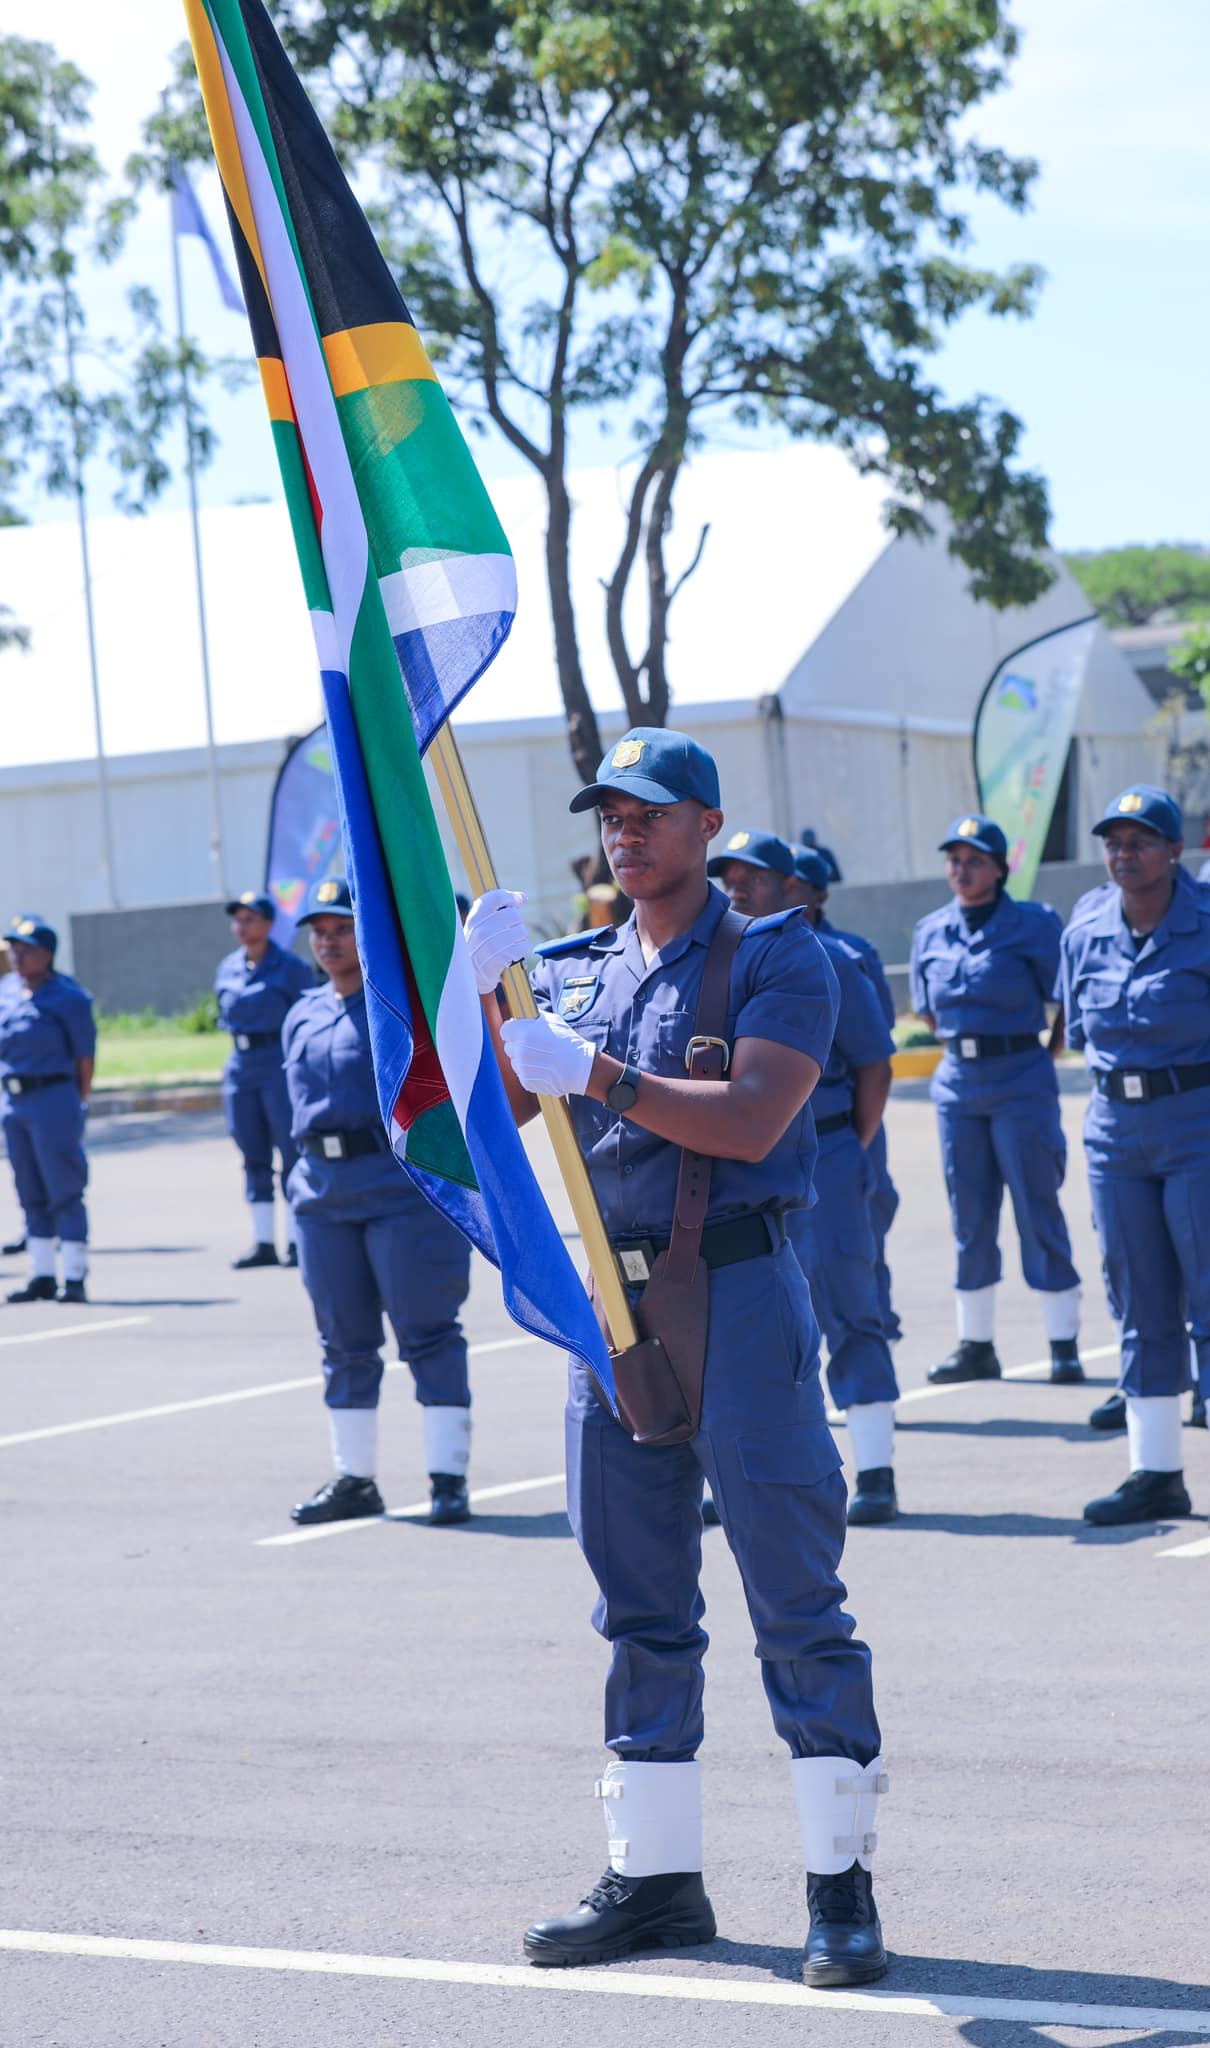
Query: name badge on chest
[[577, 996]]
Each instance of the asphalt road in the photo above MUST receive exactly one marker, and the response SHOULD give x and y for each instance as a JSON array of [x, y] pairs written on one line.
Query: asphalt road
[[372, 1753]]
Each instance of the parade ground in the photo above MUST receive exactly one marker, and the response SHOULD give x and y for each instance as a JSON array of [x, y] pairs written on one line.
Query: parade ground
[[268, 1788]]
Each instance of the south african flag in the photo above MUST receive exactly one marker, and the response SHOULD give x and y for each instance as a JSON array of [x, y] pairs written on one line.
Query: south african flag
[[411, 590]]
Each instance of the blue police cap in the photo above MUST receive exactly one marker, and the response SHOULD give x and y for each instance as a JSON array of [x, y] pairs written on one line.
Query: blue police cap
[[28, 929], [1144, 804], [755, 850], [657, 766], [976, 830], [329, 898], [810, 866], [252, 899]]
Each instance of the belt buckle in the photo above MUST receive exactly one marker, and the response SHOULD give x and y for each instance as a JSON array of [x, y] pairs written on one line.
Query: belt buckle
[[333, 1145], [13, 1083], [1134, 1088], [968, 1048], [242, 1041], [634, 1262], [700, 1042]]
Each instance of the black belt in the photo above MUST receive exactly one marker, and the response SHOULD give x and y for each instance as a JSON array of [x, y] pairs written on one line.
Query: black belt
[[342, 1144], [824, 1124], [1145, 1084], [247, 1041], [753, 1236], [979, 1046], [29, 1084]]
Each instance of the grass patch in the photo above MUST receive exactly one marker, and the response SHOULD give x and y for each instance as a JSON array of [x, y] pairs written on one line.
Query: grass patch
[[909, 1034], [158, 1056]]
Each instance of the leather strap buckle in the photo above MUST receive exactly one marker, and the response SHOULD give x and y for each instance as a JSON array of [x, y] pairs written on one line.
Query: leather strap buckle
[[702, 1042]]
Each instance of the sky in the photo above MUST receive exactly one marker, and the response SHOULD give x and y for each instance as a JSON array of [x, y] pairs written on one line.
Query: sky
[[1109, 376]]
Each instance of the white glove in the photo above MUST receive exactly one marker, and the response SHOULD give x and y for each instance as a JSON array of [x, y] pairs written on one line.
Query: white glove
[[547, 1056], [496, 935]]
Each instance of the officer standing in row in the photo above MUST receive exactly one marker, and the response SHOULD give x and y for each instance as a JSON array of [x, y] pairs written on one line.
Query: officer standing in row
[[368, 1241], [762, 1440], [809, 886], [834, 1238], [1136, 998], [256, 986], [983, 970], [48, 1047]]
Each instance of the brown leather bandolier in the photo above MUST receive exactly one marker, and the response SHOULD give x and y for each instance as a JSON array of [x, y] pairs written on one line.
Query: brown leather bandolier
[[658, 1382]]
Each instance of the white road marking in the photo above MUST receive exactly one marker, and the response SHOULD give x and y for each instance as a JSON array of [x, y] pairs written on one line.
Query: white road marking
[[314, 1379], [692, 1989], [414, 1507], [76, 1330], [1011, 1372], [1201, 1548]]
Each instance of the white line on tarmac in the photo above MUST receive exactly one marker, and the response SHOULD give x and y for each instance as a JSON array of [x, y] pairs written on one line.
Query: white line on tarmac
[[1011, 1372], [414, 1507], [76, 1330], [34, 1436], [1201, 1548], [692, 1990]]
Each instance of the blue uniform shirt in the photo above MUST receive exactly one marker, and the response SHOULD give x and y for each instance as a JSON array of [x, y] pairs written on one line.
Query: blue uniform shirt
[[871, 960], [255, 999], [1148, 1007], [782, 988], [861, 1037], [47, 1029], [994, 981], [330, 1079]]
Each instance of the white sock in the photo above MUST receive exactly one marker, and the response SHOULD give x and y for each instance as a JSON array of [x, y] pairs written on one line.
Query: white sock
[[354, 1441], [871, 1427], [1153, 1429], [75, 1260], [41, 1257], [447, 1439], [976, 1314], [264, 1222], [1061, 1315]]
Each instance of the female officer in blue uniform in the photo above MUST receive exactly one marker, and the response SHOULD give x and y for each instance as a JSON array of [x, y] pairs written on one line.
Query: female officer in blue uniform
[[368, 1241], [983, 970], [48, 1044], [256, 986], [834, 1238], [1136, 997], [763, 1442]]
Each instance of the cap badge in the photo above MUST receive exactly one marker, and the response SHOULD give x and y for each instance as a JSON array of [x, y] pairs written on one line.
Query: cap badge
[[968, 828], [327, 892], [627, 752], [737, 840], [27, 927], [249, 896], [1132, 801]]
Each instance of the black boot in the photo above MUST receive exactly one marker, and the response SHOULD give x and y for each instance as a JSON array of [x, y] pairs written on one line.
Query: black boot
[[40, 1288], [1111, 1415], [1197, 1414], [341, 1500], [10, 1250], [448, 1499], [291, 1255], [844, 1943], [711, 1519], [1144, 1497], [622, 1915], [1065, 1367], [260, 1255], [874, 1498], [970, 1361], [73, 1290]]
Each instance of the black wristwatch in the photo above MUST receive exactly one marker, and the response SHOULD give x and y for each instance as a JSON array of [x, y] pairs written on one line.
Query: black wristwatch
[[625, 1091]]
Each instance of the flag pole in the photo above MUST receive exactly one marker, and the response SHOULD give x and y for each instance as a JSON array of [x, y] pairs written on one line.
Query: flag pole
[[481, 874], [216, 816]]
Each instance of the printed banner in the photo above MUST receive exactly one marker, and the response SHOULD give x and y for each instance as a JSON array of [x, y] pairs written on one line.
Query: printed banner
[[1023, 731], [304, 829]]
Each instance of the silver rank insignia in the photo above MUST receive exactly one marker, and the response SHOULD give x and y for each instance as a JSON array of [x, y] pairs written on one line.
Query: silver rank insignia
[[578, 994]]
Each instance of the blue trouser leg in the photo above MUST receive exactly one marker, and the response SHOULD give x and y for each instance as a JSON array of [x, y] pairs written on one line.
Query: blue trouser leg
[[1031, 1153], [774, 1471], [27, 1174], [340, 1280], [975, 1188], [53, 1165], [248, 1124], [275, 1098], [835, 1246], [1144, 1276], [884, 1207], [1149, 1173], [422, 1268]]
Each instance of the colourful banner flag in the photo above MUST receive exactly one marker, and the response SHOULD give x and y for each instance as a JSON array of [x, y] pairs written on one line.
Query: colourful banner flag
[[188, 219], [304, 829], [411, 589], [1023, 730]]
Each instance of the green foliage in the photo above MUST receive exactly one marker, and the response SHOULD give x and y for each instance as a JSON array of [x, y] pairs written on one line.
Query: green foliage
[[1190, 660], [200, 1018], [1132, 586]]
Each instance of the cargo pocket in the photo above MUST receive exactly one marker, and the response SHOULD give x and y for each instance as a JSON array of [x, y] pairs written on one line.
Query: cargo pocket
[[800, 1455]]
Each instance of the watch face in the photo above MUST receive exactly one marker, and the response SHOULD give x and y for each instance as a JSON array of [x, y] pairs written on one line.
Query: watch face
[[624, 1093]]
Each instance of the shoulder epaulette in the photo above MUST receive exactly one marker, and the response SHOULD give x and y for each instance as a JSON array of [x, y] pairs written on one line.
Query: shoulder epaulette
[[775, 917], [575, 942]]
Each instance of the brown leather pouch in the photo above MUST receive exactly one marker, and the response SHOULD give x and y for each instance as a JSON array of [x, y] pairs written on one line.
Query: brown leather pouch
[[659, 1381]]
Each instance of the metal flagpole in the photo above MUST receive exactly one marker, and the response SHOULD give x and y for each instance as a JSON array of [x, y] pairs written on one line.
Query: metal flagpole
[[108, 869], [216, 817], [477, 860]]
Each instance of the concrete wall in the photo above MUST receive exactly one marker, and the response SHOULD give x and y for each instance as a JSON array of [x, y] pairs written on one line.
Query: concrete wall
[[160, 956]]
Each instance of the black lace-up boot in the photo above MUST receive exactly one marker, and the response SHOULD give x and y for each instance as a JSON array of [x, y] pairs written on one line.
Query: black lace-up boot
[[622, 1915], [844, 1943]]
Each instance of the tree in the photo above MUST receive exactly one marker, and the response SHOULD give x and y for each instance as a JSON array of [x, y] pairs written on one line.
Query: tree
[[693, 209], [1190, 660], [1132, 586]]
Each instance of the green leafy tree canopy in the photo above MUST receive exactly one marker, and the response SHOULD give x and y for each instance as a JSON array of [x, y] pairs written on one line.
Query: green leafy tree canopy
[[1133, 586]]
